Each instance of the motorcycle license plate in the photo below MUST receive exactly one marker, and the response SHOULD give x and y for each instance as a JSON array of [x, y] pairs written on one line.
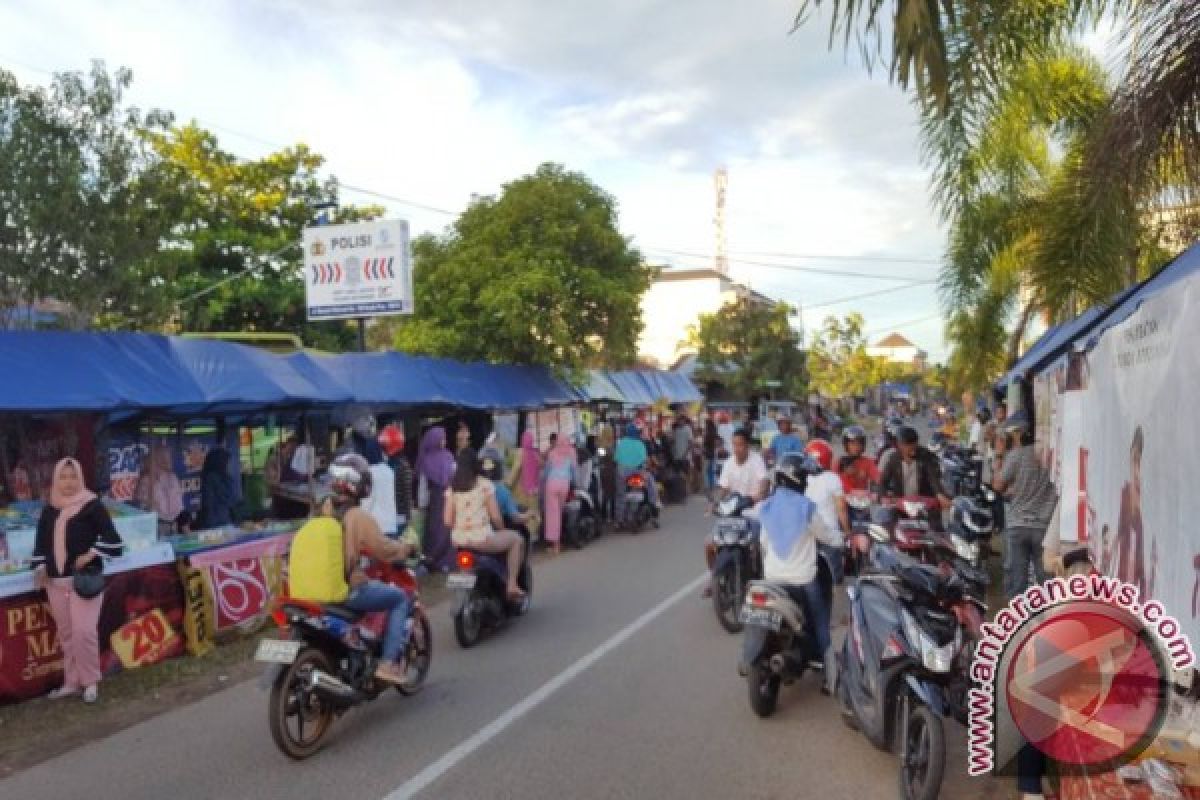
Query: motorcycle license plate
[[460, 580], [762, 618], [635, 497], [276, 651]]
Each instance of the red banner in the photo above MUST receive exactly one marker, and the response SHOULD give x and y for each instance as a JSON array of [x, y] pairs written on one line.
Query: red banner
[[140, 623]]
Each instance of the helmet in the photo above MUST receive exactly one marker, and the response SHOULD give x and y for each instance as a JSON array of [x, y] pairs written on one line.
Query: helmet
[[391, 439], [907, 435], [1018, 423], [820, 452], [793, 470], [491, 464], [351, 477], [854, 433]]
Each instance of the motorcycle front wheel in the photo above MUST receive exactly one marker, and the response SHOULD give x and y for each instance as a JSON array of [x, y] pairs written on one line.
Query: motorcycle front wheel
[[419, 655], [300, 718], [727, 594], [763, 688], [924, 757]]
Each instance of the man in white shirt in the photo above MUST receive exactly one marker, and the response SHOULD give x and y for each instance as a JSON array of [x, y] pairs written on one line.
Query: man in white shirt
[[827, 491], [381, 502], [745, 473]]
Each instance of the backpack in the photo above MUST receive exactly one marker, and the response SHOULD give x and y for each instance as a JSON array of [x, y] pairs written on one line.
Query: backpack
[[316, 562]]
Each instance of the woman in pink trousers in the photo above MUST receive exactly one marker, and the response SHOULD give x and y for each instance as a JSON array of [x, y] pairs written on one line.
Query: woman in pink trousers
[[562, 462]]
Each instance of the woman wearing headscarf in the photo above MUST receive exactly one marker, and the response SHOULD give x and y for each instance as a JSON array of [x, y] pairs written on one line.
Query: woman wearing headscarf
[[160, 491], [435, 468], [73, 534], [527, 473], [218, 497], [562, 466]]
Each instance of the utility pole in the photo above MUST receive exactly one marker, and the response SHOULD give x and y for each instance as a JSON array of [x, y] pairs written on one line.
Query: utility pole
[[721, 179]]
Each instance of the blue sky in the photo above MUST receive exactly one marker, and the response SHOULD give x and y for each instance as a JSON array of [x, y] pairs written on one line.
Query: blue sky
[[429, 102]]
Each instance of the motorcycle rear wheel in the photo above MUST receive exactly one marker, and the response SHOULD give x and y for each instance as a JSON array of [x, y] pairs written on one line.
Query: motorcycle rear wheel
[[419, 655], [923, 761], [763, 689], [292, 700], [727, 597], [468, 624]]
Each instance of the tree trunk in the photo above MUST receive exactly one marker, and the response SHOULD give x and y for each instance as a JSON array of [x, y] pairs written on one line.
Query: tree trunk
[[1014, 342]]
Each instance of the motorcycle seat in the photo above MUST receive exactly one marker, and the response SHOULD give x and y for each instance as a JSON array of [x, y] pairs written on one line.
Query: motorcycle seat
[[341, 612]]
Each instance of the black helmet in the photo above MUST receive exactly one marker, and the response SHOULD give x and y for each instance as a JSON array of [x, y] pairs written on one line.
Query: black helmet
[[907, 435], [351, 477], [854, 433], [491, 464], [793, 470], [1017, 424]]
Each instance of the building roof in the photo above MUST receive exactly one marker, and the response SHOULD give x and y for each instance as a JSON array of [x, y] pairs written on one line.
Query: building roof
[[894, 340], [705, 273]]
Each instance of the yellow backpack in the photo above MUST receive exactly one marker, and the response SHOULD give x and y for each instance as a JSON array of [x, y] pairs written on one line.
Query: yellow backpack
[[316, 563]]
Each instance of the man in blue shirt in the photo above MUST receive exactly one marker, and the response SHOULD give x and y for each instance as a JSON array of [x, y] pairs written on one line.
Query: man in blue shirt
[[492, 467], [631, 456], [785, 441]]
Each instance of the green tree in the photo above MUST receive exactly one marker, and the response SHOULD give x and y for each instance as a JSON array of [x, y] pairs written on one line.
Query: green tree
[[838, 363], [538, 275], [237, 246], [749, 346], [84, 204]]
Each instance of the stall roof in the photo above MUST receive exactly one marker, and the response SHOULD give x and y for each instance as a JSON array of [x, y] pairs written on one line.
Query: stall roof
[[600, 388], [58, 371], [1182, 268], [633, 388], [384, 379]]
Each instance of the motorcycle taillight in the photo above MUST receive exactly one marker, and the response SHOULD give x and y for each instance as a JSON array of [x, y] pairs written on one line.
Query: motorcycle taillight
[[893, 649], [466, 560], [758, 598]]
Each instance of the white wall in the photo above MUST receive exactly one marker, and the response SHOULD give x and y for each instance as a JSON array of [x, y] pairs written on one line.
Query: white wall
[[897, 355], [668, 308]]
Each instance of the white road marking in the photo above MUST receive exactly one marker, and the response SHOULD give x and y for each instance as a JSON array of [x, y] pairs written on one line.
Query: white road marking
[[426, 777]]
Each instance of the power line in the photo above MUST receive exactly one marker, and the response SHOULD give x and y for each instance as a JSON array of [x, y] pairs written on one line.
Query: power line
[[881, 259], [839, 273], [864, 295], [904, 324]]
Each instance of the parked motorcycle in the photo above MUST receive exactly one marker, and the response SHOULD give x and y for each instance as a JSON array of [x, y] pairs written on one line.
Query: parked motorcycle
[[581, 520], [970, 530], [636, 511], [858, 544], [907, 520], [902, 666], [325, 664], [778, 645], [480, 589], [738, 559]]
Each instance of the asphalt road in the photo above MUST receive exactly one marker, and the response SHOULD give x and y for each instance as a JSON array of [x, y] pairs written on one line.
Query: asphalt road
[[619, 684]]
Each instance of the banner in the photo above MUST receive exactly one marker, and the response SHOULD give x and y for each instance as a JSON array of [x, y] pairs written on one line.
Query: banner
[[1130, 471], [231, 588], [128, 451], [140, 623], [32, 448]]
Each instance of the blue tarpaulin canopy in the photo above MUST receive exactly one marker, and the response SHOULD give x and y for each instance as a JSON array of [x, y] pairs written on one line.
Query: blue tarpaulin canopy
[[55, 371]]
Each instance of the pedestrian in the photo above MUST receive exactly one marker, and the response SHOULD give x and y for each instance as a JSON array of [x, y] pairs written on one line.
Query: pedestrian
[[561, 472], [435, 468], [711, 438], [462, 436], [391, 439], [682, 436], [526, 476], [218, 497], [380, 501], [74, 534], [159, 490], [1031, 501]]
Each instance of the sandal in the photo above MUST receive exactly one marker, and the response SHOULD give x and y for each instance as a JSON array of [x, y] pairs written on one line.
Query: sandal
[[395, 674], [516, 596]]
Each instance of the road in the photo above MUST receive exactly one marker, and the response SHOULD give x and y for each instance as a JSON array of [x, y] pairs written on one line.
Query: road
[[619, 684]]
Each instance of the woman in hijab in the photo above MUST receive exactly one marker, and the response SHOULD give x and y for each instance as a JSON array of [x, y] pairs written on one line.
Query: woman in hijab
[[73, 534], [525, 478], [562, 467], [435, 468], [160, 491], [218, 499]]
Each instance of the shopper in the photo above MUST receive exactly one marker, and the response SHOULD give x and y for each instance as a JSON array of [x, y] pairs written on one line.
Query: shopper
[[74, 534], [160, 491], [1032, 498], [435, 468], [562, 470], [218, 497]]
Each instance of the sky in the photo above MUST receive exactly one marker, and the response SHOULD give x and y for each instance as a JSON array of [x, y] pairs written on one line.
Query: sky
[[427, 102]]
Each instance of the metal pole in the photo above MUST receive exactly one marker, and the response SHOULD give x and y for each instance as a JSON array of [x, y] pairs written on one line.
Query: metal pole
[[362, 335]]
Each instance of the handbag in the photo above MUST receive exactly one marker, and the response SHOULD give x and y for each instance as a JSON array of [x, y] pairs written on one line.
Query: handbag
[[89, 582]]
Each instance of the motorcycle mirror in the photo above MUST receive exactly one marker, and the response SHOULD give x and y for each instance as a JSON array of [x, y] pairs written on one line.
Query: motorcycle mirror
[[602, 452]]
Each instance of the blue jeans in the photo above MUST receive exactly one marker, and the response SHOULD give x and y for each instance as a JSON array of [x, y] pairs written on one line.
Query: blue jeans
[[809, 595], [379, 596], [1022, 547]]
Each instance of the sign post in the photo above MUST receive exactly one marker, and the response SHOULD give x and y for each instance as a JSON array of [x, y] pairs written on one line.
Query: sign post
[[358, 270]]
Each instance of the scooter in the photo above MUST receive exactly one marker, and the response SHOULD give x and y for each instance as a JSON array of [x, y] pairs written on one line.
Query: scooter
[[902, 667], [778, 645], [636, 511], [581, 520], [480, 592], [737, 559], [325, 663]]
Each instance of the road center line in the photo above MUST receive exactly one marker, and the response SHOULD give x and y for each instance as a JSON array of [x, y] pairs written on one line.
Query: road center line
[[426, 777]]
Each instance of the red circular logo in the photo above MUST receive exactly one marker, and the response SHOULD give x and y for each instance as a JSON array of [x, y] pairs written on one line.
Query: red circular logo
[[1087, 685]]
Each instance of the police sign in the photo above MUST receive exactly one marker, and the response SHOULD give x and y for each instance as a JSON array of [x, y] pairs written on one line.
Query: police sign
[[358, 270]]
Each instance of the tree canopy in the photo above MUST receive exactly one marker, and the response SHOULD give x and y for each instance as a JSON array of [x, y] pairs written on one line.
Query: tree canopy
[[838, 363], [748, 347], [539, 274]]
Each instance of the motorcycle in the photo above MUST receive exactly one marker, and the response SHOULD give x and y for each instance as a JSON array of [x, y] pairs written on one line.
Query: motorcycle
[[778, 646], [737, 559], [636, 510], [858, 550], [325, 664], [903, 665], [581, 519], [480, 587], [908, 522], [970, 530]]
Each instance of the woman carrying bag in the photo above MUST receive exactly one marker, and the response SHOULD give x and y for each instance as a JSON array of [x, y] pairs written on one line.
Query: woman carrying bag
[[74, 534]]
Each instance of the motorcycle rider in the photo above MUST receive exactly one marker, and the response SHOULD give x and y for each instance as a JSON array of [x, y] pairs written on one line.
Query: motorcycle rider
[[826, 490], [791, 528], [632, 456], [362, 539], [786, 441], [914, 471], [856, 469], [743, 473]]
